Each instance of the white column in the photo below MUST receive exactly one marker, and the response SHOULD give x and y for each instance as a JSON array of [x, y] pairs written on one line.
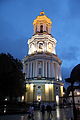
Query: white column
[[53, 70], [31, 69], [56, 71], [36, 70], [60, 77], [49, 69], [46, 68], [43, 69], [28, 70]]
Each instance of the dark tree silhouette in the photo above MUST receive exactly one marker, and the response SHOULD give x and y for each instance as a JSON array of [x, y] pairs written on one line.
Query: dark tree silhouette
[[75, 74], [74, 77], [11, 77]]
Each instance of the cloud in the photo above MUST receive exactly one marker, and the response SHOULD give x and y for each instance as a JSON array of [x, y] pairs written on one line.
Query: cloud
[[66, 72], [70, 54]]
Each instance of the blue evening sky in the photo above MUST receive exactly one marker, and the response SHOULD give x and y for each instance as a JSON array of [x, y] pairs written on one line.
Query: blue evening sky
[[16, 17]]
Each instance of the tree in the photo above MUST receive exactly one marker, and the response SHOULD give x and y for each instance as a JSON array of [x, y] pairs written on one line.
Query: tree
[[11, 77], [74, 77], [75, 74]]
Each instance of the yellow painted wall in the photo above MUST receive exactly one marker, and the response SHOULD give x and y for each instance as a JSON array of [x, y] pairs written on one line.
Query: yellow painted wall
[[46, 95], [61, 91]]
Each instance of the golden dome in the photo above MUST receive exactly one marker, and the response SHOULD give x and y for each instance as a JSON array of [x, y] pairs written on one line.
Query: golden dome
[[42, 18]]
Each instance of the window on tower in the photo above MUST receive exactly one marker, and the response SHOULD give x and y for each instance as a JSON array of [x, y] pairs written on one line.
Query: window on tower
[[41, 29], [40, 45]]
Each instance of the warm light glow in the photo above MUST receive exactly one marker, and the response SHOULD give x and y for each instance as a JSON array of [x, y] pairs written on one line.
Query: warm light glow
[[22, 98], [27, 86], [50, 86], [63, 93], [78, 93], [42, 18], [58, 112], [4, 110], [42, 13], [6, 99], [57, 99], [46, 88], [61, 90], [32, 49], [31, 87], [60, 78], [50, 47], [39, 98]]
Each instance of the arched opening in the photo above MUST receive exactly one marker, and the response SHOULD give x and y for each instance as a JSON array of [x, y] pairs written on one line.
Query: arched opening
[[41, 29]]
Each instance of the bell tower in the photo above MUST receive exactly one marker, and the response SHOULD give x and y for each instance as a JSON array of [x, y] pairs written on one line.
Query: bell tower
[[42, 24], [42, 40], [41, 66]]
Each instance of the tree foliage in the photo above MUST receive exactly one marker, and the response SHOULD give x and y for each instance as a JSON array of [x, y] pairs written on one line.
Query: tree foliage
[[11, 76], [75, 75]]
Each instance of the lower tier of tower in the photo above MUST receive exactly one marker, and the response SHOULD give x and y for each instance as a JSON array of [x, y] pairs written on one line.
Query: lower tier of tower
[[43, 92], [42, 65]]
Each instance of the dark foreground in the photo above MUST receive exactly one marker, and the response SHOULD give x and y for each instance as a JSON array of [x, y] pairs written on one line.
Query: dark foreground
[[58, 114]]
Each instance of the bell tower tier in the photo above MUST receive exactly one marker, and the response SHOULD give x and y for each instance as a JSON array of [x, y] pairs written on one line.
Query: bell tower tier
[[42, 40], [42, 67], [42, 43], [42, 24]]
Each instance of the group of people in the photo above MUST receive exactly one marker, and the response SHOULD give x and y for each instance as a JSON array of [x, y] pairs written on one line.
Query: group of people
[[43, 108], [48, 108], [31, 112]]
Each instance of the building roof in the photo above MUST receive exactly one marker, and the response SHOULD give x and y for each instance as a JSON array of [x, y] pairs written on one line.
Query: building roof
[[42, 18]]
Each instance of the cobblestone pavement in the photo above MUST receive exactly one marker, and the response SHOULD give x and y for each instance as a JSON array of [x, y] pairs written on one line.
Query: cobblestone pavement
[[58, 114]]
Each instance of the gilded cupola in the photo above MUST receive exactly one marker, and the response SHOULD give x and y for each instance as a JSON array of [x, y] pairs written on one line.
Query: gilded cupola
[[42, 24]]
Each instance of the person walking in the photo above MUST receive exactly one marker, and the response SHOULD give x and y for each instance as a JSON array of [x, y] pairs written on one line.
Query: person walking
[[43, 111], [49, 110], [31, 113]]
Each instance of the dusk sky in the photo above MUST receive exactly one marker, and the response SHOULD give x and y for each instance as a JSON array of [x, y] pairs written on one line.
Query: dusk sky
[[16, 17]]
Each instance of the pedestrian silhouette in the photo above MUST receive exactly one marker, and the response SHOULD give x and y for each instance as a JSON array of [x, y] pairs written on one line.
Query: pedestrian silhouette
[[43, 111]]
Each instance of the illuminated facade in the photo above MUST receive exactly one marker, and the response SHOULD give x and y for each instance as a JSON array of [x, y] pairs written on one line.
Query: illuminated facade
[[42, 67]]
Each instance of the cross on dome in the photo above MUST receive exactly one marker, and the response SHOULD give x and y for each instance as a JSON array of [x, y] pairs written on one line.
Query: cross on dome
[[42, 13]]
